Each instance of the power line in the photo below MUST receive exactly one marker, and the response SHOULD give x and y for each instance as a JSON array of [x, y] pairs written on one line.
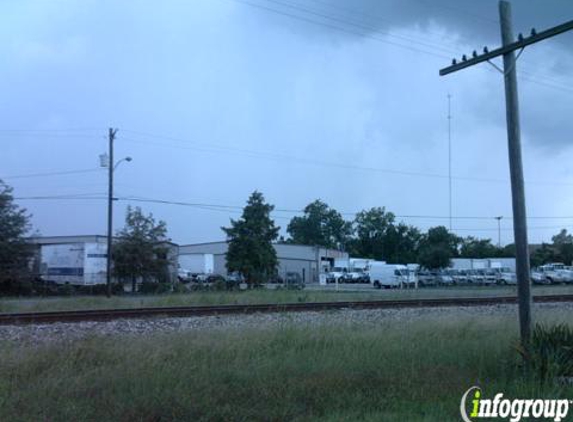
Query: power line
[[360, 33], [338, 28], [300, 211], [453, 49], [63, 197], [235, 209], [283, 157], [357, 25], [227, 207], [52, 173], [238, 209], [20, 130]]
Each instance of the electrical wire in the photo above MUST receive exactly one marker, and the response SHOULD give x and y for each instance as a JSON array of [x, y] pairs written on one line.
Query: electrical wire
[[52, 173], [238, 210], [185, 145], [528, 75]]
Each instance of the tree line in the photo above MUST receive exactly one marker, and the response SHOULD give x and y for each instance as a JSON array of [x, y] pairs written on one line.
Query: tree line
[[141, 252]]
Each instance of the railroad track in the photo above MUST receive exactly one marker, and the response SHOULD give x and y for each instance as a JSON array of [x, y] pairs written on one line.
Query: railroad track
[[187, 311]]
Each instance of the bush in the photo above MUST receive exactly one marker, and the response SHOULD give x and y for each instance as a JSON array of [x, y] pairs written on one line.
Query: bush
[[154, 288], [551, 351], [66, 290], [101, 289], [17, 287], [180, 288]]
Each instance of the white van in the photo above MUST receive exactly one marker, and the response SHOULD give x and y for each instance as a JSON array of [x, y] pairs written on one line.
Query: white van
[[388, 275]]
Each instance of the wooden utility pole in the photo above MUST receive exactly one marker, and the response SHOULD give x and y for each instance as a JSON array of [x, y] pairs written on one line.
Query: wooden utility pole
[[111, 136], [450, 158], [509, 46]]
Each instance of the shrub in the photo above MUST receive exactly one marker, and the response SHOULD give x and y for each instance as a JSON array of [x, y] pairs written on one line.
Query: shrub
[[180, 288], [66, 290], [154, 288], [101, 289], [551, 351]]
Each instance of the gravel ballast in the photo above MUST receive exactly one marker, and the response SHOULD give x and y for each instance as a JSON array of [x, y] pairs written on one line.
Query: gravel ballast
[[55, 332]]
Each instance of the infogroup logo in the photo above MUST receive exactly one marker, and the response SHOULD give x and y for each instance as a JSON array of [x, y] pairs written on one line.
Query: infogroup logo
[[514, 410]]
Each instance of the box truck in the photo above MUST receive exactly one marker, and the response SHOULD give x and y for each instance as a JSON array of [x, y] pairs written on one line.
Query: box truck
[[388, 275]]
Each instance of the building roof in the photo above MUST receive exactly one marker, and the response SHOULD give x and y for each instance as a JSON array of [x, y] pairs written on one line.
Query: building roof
[[88, 238]]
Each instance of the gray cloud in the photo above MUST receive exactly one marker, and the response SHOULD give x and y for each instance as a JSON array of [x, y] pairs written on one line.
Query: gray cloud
[[246, 99]]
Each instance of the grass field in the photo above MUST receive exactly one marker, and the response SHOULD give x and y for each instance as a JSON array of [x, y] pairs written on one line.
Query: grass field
[[415, 371], [257, 296]]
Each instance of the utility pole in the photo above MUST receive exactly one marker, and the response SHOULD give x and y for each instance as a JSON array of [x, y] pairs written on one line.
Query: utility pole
[[111, 136], [509, 46], [499, 230], [450, 157]]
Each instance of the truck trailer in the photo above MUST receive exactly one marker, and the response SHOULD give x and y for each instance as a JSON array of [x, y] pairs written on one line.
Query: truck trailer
[[74, 263]]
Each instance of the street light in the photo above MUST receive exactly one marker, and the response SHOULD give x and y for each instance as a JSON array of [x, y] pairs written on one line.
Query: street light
[[126, 159], [499, 230]]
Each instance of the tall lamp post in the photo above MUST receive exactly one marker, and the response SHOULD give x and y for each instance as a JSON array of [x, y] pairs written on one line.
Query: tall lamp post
[[499, 230], [111, 168]]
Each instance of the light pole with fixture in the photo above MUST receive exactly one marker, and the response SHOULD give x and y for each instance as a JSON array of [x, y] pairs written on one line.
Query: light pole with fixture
[[111, 168], [499, 230]]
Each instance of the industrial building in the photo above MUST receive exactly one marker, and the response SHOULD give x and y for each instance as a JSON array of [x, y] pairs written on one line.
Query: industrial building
[[308, 261], [81, 260]]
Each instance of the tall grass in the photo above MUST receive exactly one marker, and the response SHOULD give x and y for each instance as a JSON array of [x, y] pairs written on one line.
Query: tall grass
[[414, 371]]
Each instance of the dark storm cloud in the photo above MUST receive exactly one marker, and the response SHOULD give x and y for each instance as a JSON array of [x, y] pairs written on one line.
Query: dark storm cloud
[[477, 21], [220, 77]]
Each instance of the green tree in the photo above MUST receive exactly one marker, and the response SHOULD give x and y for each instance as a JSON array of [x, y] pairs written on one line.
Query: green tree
[[472, 247], [437, 248], [251, 251], [320, 225], [563, 246], [402, 244], [371, 229], [15, 251], [508, 251], [378, 237], [140, 249], [542, 255]]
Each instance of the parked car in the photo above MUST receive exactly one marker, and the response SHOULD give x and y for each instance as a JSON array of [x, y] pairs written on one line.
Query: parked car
[[443, 278], [357, 275], [476, 277], [337, 274], [460, 277], [505, 276], [567, 273], [426, 278], [234, 280], [539, 277], [490, 276], [554, 272]]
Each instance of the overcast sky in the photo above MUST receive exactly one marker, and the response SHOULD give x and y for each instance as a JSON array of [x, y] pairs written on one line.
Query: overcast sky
[[332, 99]]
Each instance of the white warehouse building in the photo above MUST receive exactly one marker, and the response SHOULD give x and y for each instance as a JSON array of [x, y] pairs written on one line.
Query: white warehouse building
[[308, 261]]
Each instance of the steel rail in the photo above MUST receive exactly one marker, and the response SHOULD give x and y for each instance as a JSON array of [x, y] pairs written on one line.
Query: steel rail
[[191, 311]]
